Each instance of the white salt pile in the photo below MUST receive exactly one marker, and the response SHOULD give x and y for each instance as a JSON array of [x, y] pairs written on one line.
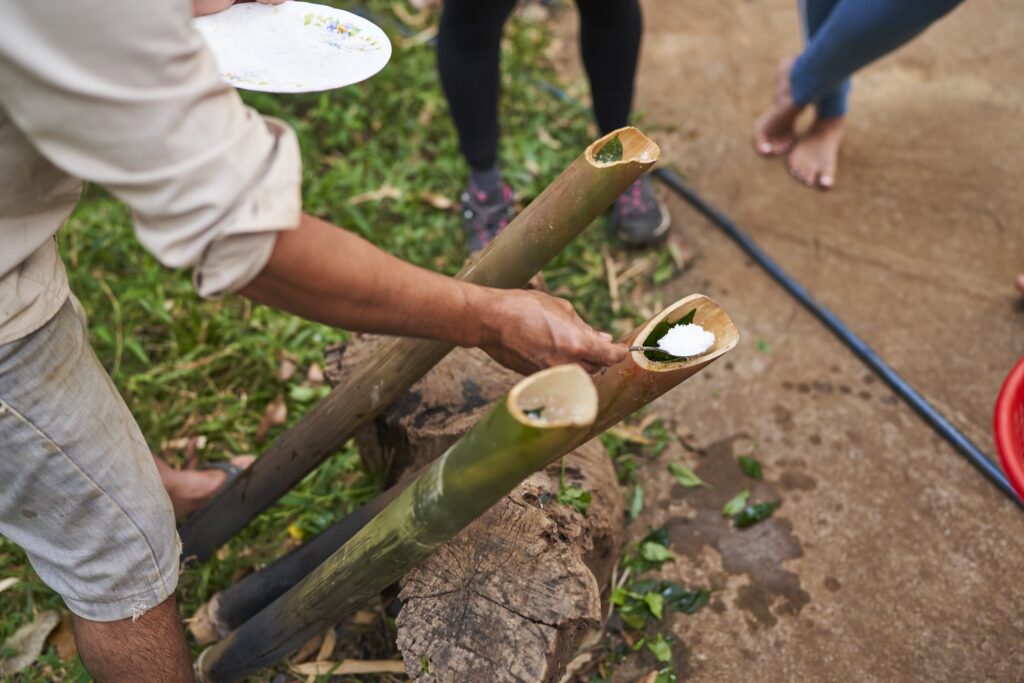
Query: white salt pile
[[686, 341]]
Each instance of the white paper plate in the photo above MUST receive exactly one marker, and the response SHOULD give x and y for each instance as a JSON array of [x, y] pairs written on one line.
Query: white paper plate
[[294, 46]]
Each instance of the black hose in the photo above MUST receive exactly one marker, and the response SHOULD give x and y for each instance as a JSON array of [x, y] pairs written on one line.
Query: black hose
[[926, 410]]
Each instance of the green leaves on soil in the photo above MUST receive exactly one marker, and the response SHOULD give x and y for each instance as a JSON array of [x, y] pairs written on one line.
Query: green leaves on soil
[[736, 503], [686, 477], [750, 467], [744, 515], [650, 552], [636, 502], [752, 514]]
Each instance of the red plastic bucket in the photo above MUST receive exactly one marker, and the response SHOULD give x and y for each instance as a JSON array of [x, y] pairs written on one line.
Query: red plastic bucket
[[1009, 426]]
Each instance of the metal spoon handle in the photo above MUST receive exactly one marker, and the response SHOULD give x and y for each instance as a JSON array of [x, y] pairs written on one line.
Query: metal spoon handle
[[644, 348]]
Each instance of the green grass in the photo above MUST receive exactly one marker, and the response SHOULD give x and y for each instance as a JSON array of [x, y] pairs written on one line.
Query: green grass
[[188, 367]]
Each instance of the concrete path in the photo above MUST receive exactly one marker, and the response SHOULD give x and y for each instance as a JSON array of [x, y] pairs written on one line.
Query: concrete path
[[891, 558]]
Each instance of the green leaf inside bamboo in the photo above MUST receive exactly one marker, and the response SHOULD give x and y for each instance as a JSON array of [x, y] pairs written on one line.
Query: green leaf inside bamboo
[[611, 152], [659, 331]]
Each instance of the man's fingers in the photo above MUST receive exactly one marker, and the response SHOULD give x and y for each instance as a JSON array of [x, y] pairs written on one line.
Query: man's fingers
[[606, 336]]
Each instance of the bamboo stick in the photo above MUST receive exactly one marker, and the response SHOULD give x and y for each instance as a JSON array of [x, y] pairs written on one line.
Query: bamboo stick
[[622, 390], [508, 444], [567, 206]]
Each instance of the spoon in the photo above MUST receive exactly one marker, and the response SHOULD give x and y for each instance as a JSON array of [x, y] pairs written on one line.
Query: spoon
[[661, 350]]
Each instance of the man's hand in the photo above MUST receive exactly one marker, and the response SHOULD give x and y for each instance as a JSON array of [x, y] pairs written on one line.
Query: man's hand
[[337, 278], [529, 331], [201, 7]]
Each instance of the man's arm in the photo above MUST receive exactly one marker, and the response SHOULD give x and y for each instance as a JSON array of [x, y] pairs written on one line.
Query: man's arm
[[335, 277]]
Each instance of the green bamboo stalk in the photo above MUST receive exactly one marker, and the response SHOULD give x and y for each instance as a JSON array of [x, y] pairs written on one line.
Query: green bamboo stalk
[[521, 434], [567, 206], [622, 390]]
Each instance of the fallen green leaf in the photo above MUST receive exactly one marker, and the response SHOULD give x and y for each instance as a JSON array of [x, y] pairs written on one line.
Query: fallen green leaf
[[736, 503], [636, 502], [661, 648], [752, 514], [685, 476], [750, 467], [655, 552], [655, 603]]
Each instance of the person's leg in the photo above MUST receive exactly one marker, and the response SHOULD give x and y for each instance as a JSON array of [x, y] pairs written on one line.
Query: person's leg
[[853, 34], [610, 36], [120, 651], [822, 74], [468, 52], [82, 496], [775, 129]]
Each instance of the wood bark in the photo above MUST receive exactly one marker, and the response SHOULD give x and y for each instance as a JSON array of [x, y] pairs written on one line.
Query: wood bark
[[512, 596]]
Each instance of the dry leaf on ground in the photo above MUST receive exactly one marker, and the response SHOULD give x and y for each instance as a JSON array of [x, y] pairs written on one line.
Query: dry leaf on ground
[[285, 370], [27, 642], [385, 192], [308, 649], [327, 648], [350, 667], [315, 375], [437, 201], [9, 582], [275, 414], [63, 638]]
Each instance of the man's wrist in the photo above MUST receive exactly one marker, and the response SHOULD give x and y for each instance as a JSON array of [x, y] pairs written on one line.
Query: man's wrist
[[475, 326]]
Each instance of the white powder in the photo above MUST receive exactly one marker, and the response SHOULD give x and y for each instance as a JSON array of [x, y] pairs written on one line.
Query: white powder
[[685, 341]]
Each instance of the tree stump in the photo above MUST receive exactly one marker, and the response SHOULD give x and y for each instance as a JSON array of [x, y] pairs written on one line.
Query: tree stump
[[515, 594]]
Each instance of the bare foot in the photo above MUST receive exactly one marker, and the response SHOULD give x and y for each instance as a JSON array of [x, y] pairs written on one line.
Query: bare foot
[[775, 129], [813, 161], [1020, 282], [191, 489]]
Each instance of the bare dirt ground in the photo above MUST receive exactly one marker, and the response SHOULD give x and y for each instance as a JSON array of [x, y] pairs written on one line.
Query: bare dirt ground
[[891, 558]]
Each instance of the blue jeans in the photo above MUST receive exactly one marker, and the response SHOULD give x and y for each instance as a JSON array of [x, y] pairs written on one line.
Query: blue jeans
[[842, 36]]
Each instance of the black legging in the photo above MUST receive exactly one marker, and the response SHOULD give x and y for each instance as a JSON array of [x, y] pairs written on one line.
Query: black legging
[[468, 46]]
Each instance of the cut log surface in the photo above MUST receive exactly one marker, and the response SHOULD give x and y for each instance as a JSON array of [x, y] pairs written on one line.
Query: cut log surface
[[513, 596]]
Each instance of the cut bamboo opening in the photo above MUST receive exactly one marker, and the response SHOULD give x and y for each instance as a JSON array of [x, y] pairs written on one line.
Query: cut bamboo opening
[[567, 206], [505, 447], [622, 390]]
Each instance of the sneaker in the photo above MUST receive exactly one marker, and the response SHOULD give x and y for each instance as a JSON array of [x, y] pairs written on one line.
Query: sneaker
[[639, 218], [485, 214]]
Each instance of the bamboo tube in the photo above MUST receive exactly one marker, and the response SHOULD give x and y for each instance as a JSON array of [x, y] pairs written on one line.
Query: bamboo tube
[[622, 390], [567, 206], [631, 384], [505, 447]]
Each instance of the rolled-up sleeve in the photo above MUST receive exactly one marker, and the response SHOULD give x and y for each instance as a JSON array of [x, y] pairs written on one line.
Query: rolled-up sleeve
[[125, 93]]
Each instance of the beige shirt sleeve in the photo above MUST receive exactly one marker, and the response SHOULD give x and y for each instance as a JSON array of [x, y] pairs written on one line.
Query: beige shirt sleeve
[[125, 93]]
